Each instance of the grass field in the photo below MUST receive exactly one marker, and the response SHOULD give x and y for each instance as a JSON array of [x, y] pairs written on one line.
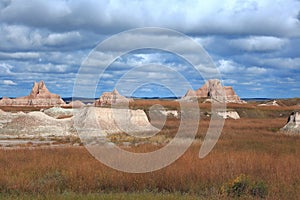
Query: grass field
[[250, 161]]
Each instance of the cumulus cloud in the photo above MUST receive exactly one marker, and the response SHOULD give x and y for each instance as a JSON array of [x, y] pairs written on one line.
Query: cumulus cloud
[[229, 66], [5, 69], [45, 68], [237, 73], [253, 43], [19, 55], [256, 70], [226, 17], [23, 38], [153, 74], [62, 38], [9, 82], [229, 81], [18, 37], [259, 43], [283, 63]]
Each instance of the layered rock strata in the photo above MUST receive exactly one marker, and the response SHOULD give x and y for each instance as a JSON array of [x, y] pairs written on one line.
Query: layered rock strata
[[39, 97]]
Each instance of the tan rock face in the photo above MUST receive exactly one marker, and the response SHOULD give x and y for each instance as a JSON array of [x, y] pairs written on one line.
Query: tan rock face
[[229, 114], [34, 125], [39, 96], [76, 104], [40, 91], [293, 125], [109, 98], [5, 101], [105, 121], [59, 113], [214, 89], [88, 120]]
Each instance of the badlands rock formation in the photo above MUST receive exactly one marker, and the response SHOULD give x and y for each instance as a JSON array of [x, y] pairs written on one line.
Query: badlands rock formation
[[270, 103], [104, 121], [39, 96], [33, 125], [170, 113], [213, 89], [293, 124], [59, 113], [229, 114], [75, 104], [87, 120], [109, 98]]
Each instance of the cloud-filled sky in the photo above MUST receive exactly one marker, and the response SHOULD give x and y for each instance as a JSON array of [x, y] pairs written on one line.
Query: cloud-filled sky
[[254, 44]]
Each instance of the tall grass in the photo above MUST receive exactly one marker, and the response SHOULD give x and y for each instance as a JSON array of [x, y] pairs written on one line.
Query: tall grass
[[247, 146]]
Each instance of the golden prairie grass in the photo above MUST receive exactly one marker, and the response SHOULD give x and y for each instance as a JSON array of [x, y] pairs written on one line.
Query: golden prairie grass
[[247, 146], [250, 146], [73, 169]]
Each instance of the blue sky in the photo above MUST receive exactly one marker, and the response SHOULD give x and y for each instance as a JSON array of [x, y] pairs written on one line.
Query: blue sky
[[254, 44]]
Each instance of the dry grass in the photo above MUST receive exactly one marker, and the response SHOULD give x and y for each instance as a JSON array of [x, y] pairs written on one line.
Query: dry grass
[[146, 104], [247, 146]]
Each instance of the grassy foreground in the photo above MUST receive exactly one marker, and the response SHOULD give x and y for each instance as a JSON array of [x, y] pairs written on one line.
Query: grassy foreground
[[109, 196], [250, 161]]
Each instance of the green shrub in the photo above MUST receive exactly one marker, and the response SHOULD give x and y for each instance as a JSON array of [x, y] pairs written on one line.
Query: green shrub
[[244, 186], [53, 181], [259, 189]]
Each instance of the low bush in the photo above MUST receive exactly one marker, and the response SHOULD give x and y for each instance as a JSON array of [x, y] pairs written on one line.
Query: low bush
[[244, 186]]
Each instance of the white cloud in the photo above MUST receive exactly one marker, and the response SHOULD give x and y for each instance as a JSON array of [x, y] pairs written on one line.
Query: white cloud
[[249, 40], [19, 55], [5, 69], [255, 88], [282, 63], [225, 17], [229, 81], [256, 70], [259, 43], [49, 68], [9, 82], [18, 37], [249, 83], [227, 66], [62, 38], [44, 68], [230, 67], [204, 41]]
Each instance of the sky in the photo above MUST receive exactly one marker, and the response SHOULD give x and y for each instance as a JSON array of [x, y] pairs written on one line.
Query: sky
[[254, 45]]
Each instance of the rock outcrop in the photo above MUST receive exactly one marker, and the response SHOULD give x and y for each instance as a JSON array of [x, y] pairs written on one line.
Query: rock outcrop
[[76, 104], [213, 89], [293, 125], [5, 101], [59, 113], [39, 97], [34, 125], [229, 114], [170, 113], [59, 122], [105, 121], [270, 103], [110, 98]]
